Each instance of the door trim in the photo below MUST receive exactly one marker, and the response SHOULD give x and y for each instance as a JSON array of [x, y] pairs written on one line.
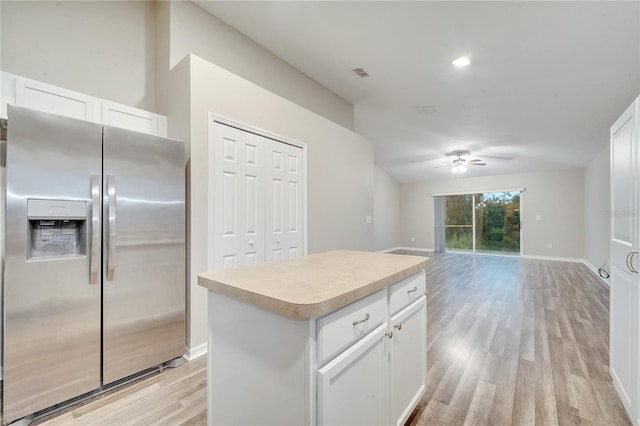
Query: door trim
[[215, 118]]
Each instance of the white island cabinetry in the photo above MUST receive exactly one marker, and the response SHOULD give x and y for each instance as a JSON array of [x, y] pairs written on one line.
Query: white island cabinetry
[[334, 338]]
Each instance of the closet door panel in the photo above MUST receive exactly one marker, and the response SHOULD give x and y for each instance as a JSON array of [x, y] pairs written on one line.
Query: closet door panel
[[239, 201], [284, 178]]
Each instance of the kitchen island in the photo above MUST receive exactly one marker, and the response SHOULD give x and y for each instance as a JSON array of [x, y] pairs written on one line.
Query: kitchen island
[[332, 338]]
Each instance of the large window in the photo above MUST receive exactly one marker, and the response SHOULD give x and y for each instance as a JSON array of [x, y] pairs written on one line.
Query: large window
[[486, 222]]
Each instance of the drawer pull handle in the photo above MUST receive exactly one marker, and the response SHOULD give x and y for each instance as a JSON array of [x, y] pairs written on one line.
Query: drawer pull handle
[[412, 290], [398, 326], [389, 334], [366, 318]]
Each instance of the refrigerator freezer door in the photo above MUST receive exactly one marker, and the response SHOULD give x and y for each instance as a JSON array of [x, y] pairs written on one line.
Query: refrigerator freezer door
[[143, 252], [52, 312]]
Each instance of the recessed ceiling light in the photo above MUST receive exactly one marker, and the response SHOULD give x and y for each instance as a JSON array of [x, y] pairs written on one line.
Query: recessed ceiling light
[[461, 62]]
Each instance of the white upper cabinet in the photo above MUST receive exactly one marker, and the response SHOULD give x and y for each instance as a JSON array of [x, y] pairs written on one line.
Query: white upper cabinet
[[135, 119], [45, 97]]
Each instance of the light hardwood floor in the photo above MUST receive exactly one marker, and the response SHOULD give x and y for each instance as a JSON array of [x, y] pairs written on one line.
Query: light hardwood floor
[[511, 342]]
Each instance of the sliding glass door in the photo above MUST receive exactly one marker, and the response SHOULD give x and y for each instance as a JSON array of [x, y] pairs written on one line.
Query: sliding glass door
[[486, 222], [458, 222], [498, 222]]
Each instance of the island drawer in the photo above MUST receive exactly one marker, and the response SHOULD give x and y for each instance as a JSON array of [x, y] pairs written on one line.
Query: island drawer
[[407, 291], [337, 331]]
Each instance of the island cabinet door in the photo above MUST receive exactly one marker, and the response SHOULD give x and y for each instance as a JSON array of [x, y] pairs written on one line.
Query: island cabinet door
[[353, 388], [407, 355]]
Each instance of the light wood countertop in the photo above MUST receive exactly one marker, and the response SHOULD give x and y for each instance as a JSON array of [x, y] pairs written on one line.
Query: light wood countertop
[[312, 286]]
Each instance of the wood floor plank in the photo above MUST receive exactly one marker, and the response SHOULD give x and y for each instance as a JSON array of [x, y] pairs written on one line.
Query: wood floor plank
[[478, 413], [510, 341], [524, 401]]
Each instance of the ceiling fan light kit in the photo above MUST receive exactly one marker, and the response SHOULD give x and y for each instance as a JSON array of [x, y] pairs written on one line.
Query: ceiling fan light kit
[[460, 164], [459, 168]]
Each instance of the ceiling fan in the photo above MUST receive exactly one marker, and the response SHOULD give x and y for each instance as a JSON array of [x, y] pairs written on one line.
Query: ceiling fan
[[460, 164]]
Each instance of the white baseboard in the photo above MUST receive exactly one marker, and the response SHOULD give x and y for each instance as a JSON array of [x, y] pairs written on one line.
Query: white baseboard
[[593, 269], [411, 248], [195, 352], [554, 258], [388, 250]]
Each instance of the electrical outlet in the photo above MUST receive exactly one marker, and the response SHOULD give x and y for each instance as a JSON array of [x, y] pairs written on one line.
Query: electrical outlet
[[549, 245], [413, 239], [537, 217], [368, 219]]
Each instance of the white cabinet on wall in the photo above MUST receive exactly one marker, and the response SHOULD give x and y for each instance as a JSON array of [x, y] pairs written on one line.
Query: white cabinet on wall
[[257, 211], [624, 310], [45, 97]]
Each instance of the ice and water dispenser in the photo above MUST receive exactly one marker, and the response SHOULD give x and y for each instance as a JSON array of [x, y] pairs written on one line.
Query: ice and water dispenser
[[57, 229]]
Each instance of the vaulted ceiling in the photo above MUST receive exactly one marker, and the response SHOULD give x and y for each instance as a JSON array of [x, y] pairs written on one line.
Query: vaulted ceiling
[[546, 80]]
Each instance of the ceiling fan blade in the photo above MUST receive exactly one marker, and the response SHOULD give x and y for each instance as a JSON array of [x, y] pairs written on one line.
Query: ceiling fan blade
[[474, 161], [497, 157], [477, 164], [458, 153]]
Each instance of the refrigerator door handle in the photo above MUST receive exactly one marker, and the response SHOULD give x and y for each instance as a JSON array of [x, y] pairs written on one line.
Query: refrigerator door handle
[[94, 265], [111, 206]]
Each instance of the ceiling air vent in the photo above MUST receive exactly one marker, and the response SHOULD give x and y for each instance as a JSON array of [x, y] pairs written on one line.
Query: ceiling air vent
[[360, 72]]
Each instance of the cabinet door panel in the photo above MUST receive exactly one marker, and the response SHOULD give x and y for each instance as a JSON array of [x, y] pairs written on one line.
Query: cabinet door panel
[[135, 119], [624, 294], [55, 100], [407, 360], [352, 389]]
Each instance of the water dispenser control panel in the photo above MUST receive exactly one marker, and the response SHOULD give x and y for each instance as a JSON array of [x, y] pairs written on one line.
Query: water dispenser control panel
[[57, 229]]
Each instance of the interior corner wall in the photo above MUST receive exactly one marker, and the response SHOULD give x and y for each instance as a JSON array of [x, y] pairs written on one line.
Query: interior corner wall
[[596, 210], [386, 211], [194, 30], [101, 48], [556, 196], [339, 169], [162, 48]]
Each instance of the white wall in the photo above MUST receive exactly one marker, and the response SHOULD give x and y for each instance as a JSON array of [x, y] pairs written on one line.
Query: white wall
[[101, 48], [556, 196], [339, 169], [596, 210], [386, 211], [194, 30]]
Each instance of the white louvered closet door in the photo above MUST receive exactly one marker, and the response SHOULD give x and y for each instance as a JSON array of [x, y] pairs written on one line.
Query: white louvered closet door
[[284, 215], [239, 201]]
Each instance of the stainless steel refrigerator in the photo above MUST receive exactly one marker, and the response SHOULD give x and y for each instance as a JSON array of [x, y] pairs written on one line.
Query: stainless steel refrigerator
[[94, 278]]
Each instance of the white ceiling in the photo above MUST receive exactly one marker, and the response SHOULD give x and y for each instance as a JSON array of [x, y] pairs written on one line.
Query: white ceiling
[[546, 82]]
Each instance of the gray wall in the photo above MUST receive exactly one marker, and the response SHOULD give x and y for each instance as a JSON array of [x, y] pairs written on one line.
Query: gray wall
[[596, 210], [556, 196], [108, 49], [194, 30], [386, 211], [339, 168], [101, 48]]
